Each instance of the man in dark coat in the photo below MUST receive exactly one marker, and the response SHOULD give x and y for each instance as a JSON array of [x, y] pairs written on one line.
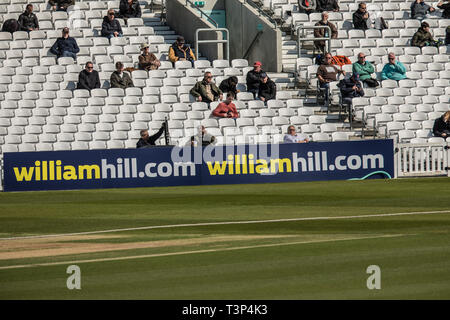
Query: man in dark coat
[[267, 89], [351, 88], [179, 51], [441, 126], [254, 78], [445, 7], [120, 79], [423, 36], [28, 20], [129, 9], [327, 5], [65, 46], [146, 140], [111, 27], [88, 78], [229, 85], [420, 10], [360, 17], [206, 90], [61, 5]]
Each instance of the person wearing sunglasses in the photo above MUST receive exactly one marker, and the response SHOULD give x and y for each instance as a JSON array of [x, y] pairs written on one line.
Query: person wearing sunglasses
[[393, 70], [65, 46], [365, 70], [361, 17], [88, 79], [206, 90], [326, 73], [111, 26]]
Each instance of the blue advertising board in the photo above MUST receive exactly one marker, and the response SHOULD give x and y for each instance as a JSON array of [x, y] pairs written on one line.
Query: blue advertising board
[[177, 166]]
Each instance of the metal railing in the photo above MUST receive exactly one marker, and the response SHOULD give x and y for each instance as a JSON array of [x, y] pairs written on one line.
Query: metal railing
[[302, 38], [261, 12], [202, 13], [197, 41]]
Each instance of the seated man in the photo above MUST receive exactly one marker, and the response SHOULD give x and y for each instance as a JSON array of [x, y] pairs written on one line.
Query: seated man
[[394, 70], [327, 73], [304, 6], [229, 85], [420, 10], [88, 78], [146, 141], [446, 8], [179, 51], [129, 9], [147, 60], [441, 126], [61, 5], [423, 37], [120, 79], [65, 46], [351, 88], [254, 78], [323, 33], [226, 109], [202, 138], [327, 5], [293, 137], [267, 88], [111, 27], [206, 90], [28, 20], [361, 17], [365, 70]]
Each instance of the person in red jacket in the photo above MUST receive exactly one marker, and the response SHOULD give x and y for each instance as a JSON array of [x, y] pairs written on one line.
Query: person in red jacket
[[226, 109]]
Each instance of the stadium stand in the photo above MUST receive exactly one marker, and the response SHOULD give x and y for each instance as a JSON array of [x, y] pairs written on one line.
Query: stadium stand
[[41, 110]]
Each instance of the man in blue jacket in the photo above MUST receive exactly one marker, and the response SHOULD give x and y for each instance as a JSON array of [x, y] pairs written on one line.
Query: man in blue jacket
[[394, 70], [351, 88], [65, 46]]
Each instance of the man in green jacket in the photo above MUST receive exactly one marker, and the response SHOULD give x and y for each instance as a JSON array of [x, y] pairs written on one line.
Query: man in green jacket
[[119, 78], [394, 70], [423, 36], [365, 70], [206, 90]]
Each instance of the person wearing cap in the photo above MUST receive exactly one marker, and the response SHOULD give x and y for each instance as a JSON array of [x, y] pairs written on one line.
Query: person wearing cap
[[120, 79], [88, 79], [254, 78], [111, 26], [147, 60], [129, 9], [293, 137], [229, 85], [267, 88], [226, 109], [351, 88], [65, 46], [206, 90], [61, 5], [202, 138], [423, 37], [394, 69], [179, 51]]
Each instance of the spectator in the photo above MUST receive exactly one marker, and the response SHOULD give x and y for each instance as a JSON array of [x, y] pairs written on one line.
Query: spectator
[[361, 17], [61, 5], [350, 88], [206, 90], [323, 32], [441, 126], [129, 9], [447, 36], [394, 70], [146, 141], [11, 26], [254, 78], [65, 46], [147, 60], [327, 73], [28, 20], [226, 109], [365, 70], [423, 37], [304, 6], [446, 8], [293, 137], [202, 138], [327, 5], [179, 51], [88, 78], [229, 85], [120, 79], [267, 88], [111, 27], [420, 10]]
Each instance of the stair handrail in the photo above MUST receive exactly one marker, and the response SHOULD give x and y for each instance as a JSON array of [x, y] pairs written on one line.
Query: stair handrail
[[202, 13]]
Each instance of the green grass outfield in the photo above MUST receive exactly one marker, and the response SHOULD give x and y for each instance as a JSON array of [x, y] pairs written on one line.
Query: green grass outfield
[[307, 257]]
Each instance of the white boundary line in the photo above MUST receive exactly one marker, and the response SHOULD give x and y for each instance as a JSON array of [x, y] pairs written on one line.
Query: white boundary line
[[226, 223], [156, 255]]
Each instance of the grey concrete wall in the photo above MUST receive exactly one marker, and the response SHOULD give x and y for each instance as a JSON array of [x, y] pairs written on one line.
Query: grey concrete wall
[[213, 4], [242, 22], [185, 21]]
